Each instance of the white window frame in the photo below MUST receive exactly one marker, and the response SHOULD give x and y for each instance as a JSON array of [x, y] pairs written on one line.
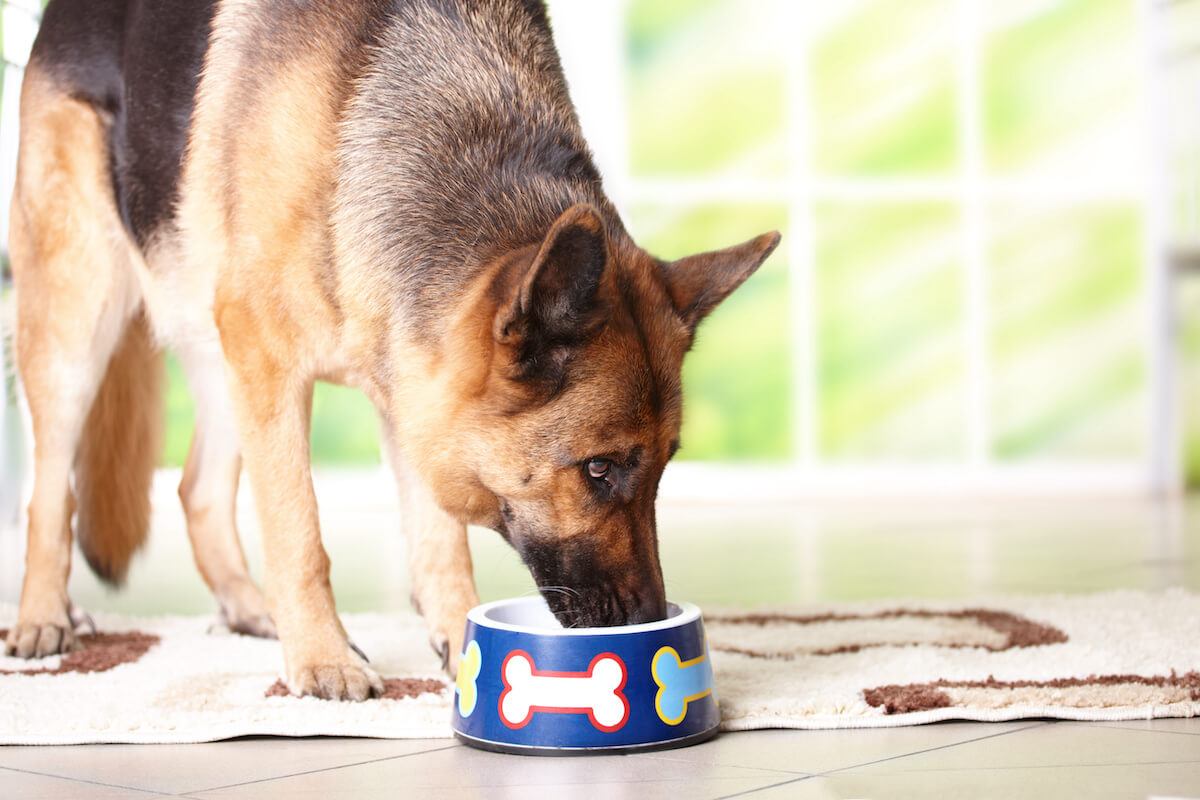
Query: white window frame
[[591, 38], [1156, 472]]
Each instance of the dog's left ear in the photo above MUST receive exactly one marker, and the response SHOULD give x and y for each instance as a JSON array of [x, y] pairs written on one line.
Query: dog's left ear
[[698, 283], [556, 301]]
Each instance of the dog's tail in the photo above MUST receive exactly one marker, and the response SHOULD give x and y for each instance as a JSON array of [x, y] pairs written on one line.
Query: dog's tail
[[117, 454]]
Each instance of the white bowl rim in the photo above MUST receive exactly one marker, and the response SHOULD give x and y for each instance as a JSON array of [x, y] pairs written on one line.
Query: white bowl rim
[[480, 615]]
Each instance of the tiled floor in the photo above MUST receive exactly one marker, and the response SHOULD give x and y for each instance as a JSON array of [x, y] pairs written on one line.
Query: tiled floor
[[715, 556], [1029, 759]]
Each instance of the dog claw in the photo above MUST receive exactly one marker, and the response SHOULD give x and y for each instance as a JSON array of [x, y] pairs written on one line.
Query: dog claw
[[81, 619], [243, 609], [441, 648], [259, 625], [337, 682], [358, 650], [39, 641]]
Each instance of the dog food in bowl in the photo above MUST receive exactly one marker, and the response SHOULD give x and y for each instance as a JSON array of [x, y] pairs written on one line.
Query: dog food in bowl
[[527, 685]]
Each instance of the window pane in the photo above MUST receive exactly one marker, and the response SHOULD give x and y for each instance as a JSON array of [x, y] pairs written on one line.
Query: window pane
[[1059, 81], [699, 108], [345, 427], [890, 353], [1189, 290], [883, 89], [1067, 332], [344, 424], [737, 379], [180, 411], [1181, 28]]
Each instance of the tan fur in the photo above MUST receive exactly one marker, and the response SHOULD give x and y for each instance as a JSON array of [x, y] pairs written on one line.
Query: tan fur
[[64, 218], [117, 454], [265, 249], [277, 270]]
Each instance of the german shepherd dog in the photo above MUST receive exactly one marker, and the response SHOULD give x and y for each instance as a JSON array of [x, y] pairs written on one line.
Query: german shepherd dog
[[393, 195]]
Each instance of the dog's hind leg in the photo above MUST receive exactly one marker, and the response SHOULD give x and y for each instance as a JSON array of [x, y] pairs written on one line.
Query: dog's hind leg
[[209, 494], [76, 294]]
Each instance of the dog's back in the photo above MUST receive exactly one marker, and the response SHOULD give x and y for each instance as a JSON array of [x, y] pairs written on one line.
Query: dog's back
[[397, 145], [427, 77], [138, 62]]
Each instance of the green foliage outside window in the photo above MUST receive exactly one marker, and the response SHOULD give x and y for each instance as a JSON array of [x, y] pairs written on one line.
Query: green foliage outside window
[[708, 99]]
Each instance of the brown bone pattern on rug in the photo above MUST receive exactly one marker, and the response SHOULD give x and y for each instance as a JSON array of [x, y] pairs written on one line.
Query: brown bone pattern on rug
[[99, 652], [1094, 691], [1005, 631], [393, 688]]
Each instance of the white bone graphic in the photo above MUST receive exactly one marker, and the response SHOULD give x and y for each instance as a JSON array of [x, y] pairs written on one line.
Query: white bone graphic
[[596, 692]]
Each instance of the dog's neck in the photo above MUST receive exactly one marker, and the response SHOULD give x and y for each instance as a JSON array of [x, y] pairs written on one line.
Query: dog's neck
[[439, 177]]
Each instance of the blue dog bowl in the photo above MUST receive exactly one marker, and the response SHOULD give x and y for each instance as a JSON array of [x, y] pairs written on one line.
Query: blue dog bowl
[[527, 685]]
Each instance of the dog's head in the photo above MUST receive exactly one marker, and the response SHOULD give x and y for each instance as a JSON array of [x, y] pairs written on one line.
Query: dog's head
[[574, 408]]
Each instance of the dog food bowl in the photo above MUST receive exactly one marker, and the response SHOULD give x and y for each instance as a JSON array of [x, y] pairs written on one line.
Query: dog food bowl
[[527, 685]]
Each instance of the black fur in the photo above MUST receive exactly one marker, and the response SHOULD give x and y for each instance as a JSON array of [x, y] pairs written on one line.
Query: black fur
[[139, 62], [468, 97], [576, 587]]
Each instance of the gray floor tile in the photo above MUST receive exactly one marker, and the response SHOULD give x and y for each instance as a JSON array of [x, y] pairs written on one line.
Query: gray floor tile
[[29, 786], [194, 767], [461, 769], [821, 751], [1049, 783], [786, 554], [1186, 726], [1059, 744], [691, 789]]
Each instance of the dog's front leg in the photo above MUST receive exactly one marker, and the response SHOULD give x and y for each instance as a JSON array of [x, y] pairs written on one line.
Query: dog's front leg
[[439, 561], [273, 411]]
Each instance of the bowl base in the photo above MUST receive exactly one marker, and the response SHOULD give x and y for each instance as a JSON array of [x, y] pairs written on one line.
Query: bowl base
[[528, 750]]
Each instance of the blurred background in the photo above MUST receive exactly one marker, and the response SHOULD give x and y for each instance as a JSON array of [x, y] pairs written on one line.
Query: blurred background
[[979, 341]]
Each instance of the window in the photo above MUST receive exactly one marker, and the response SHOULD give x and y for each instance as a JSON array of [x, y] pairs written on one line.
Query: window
[[969, 274], [965, 278]]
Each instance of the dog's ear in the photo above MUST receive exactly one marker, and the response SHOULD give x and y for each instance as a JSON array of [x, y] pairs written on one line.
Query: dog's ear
[[556, 300], [698, 283]]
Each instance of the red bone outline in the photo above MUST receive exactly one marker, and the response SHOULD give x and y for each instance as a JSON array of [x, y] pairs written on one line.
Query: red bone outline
[[549, 673]]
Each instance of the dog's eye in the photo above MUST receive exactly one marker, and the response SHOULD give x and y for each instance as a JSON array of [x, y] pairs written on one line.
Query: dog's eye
[[598, 468]]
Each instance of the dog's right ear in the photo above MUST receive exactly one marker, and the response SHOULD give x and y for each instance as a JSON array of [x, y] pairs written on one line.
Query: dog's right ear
[[698, 283], [555, 302]]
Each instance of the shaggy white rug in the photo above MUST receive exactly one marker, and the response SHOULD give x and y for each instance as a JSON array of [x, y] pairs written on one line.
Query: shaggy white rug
[[1121, 655]]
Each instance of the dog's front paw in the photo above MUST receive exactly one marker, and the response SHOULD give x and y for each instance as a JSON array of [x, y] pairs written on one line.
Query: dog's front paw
[[37, 639], [45, 626], [348, 679]]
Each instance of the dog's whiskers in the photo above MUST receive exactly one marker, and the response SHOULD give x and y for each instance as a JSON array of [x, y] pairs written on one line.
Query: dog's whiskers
[[565, 590]]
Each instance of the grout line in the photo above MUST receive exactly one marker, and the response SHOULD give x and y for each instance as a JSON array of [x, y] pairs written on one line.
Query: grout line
[[1083, 765], [1116, 726], [885, 760], [326, 769], [769, 786], [939, 747], [81, 780], [587, 783], [676, 760], [727, 765]]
